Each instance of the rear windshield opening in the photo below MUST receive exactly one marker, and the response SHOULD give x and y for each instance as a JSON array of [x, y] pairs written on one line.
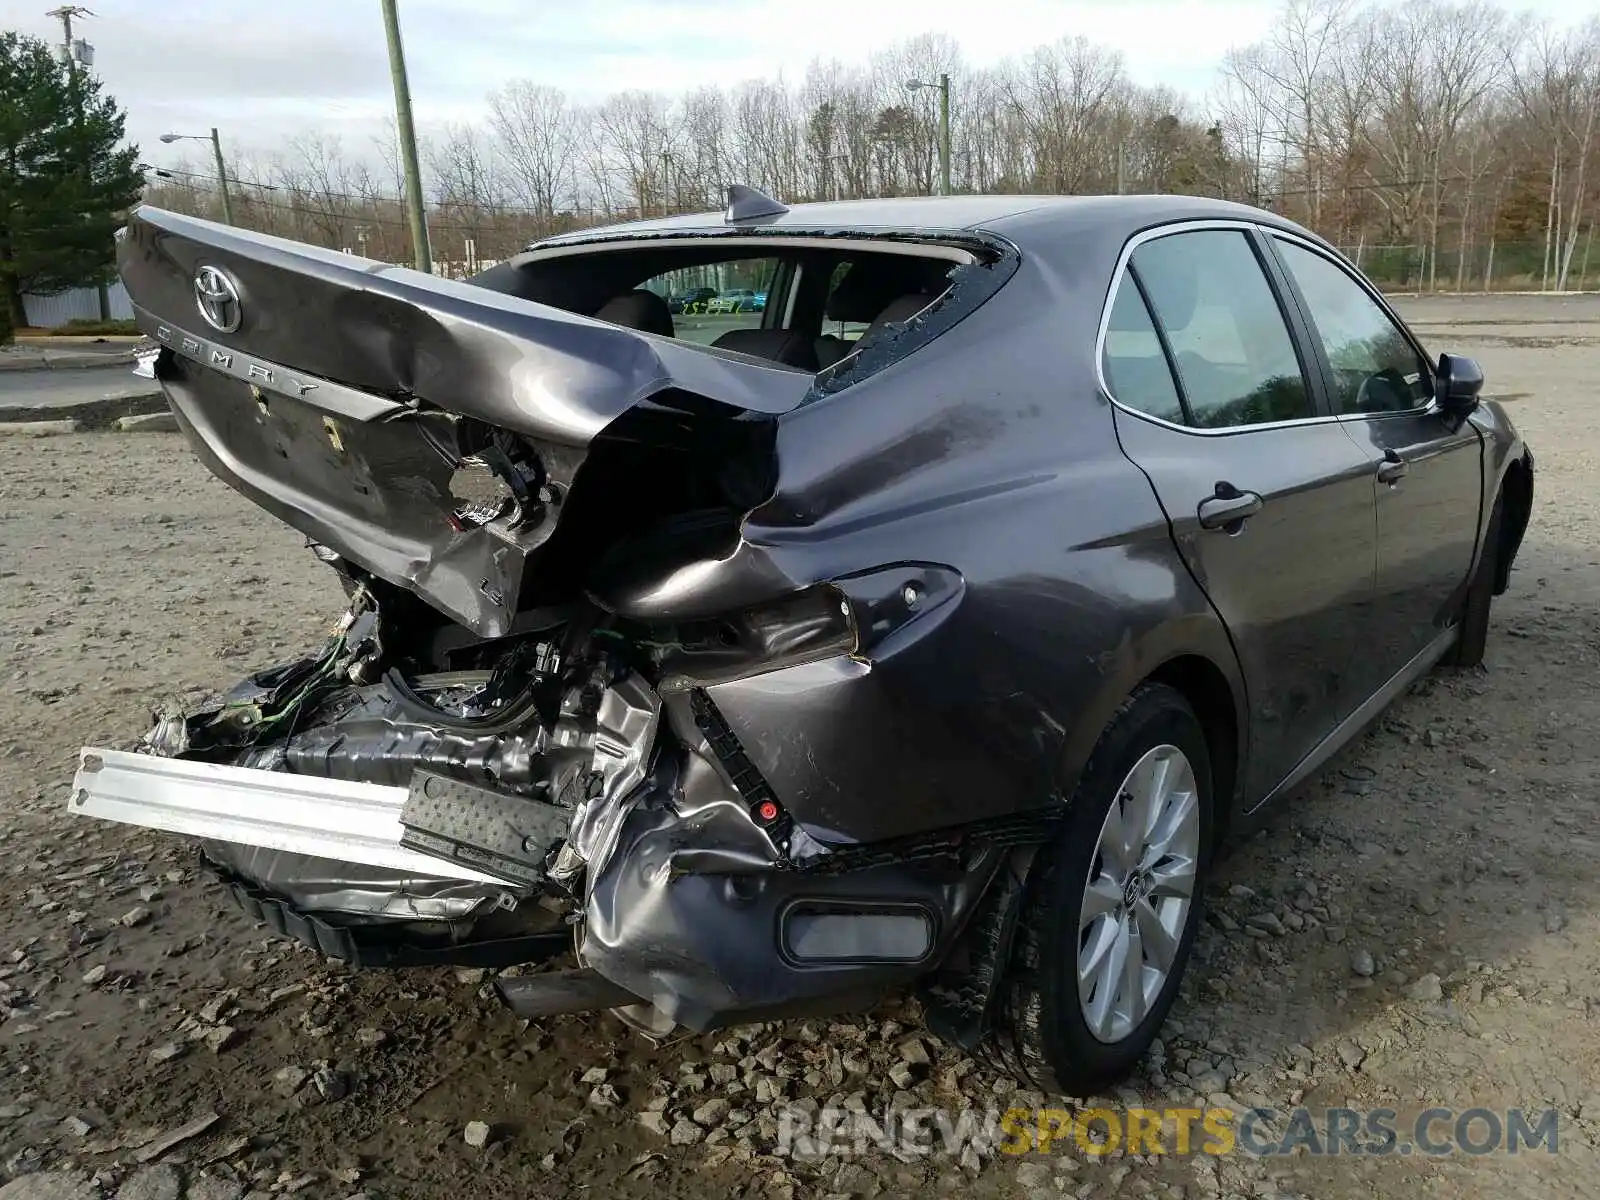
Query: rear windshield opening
[[806, 306]]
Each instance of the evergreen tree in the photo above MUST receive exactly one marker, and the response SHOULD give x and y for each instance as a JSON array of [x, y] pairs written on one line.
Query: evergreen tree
[[66, 182]]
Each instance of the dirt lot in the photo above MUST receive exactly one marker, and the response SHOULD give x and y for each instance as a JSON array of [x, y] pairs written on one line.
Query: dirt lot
[[1450, 855]]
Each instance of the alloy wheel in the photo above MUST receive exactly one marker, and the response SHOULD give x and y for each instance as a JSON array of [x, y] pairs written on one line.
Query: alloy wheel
[[1137, 894]]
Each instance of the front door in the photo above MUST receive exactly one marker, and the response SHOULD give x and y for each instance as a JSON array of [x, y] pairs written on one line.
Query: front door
[[1270, 501], [1427, 469]]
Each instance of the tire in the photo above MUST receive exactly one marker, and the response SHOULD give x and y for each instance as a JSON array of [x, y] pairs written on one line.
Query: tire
[[1042, 1034], [1473, 622]]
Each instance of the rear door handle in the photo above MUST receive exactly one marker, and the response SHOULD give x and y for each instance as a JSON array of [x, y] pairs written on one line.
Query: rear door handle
[[1229, 508], [1391, 468]]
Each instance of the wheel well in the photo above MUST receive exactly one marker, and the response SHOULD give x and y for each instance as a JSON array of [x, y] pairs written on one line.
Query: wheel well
[[1517, 497], [1206, 689]]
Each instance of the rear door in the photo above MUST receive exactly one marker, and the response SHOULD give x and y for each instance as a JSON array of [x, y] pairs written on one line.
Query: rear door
[[1270, 501], [1427, 470]]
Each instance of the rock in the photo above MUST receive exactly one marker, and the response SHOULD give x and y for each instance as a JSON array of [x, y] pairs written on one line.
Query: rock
[[686, 1133], [37, 429], [50, 1185], [329, 1084], [286, 1081], [594, 1075], [134, 917], [1361, 963], [371, 1038], [1265, 920], [159, 422], [1035, 1178], [472, 976], [77, 1126], [166, 1052], [96, 975], [1334, 933], [605, 1096], [155, 1148], [209, 1187], [1426, 990], [853, 1179], [13, 1112], [655, 1122], [1554, 920], [1433, 739], [1476, 763], [149, 893], [903, 1075], [711, 1112], [476, 1134], [1351, 1055], [159, 1182], [221, 1037], [915, 1052], [1428, 904]]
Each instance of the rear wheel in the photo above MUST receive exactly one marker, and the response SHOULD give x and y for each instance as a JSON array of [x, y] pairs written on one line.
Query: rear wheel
[[1112, 905], [1473, 624]]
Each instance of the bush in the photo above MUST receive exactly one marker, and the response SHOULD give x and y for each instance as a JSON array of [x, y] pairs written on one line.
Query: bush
[[87, 326]]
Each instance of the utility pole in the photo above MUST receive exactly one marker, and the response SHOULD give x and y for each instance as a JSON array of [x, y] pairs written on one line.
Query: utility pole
[[944, 135], [74, 54], [222, 177], [667, 203], [408, 137], [944, 126]]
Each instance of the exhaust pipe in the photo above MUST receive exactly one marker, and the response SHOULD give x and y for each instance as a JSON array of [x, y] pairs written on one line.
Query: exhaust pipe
[[557, 993]]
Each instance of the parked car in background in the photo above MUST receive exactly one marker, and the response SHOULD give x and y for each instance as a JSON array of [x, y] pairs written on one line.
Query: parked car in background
[[691, 301], [731, 301], [804, 667]]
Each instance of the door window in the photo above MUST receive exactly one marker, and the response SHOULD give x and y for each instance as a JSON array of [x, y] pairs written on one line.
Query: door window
[[1230, 343], [1136, 367], [1375, 367]]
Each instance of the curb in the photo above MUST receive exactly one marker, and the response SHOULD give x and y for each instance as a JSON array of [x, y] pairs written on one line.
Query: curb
[[37, 428], [66, 362], [89, 415]]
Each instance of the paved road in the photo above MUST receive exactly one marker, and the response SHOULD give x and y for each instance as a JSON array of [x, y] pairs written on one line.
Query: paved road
[[61, 389]]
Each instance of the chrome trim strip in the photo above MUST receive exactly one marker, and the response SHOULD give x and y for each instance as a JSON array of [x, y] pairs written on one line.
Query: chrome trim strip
[[269, 376], [301, 814], [1364, 713], [1121, 273]]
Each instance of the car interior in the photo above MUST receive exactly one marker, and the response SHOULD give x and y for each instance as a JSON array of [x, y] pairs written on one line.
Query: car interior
[[820, 306]]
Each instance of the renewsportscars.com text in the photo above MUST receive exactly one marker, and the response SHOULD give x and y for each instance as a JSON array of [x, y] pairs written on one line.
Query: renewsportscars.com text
[[1259, 1132]]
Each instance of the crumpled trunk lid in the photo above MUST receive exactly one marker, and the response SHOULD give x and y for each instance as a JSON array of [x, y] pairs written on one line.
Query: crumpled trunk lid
[[346, 397]]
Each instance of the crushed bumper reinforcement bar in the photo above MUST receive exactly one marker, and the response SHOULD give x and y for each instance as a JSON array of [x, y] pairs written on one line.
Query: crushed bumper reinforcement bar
[[331, 818]]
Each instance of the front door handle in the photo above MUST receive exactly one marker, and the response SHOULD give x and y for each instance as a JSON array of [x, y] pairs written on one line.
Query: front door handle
[[1392, 468], [1229, 508]]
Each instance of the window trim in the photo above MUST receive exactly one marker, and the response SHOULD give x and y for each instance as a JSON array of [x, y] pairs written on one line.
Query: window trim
[[1318, 347], [1288, 308]]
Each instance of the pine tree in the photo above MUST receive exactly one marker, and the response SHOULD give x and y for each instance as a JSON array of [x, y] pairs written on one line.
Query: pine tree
[[66, 182]]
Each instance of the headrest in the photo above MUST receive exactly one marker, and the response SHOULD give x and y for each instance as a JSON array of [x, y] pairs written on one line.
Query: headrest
[[870, 284], [639, 309], [901, 308]]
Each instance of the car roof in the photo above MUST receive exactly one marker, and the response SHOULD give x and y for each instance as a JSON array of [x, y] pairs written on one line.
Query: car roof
[[1018, 218]]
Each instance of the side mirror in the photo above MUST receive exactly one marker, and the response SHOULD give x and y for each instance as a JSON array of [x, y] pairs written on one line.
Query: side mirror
[[1460, 380]]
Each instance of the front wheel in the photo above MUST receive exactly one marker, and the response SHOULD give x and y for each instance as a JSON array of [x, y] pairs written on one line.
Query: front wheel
[[1111, 907]]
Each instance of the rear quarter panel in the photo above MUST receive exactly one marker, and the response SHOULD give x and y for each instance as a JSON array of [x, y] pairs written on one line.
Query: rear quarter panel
[[989, 452]]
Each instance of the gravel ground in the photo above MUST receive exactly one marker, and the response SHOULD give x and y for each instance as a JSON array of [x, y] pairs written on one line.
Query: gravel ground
[[1409, 930]]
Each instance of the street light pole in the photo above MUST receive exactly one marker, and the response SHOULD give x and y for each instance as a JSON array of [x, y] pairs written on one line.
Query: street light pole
[[944, 126], [222, 171], [408, 137]]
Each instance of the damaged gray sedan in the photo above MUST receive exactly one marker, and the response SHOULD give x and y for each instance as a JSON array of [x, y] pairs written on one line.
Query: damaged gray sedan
[[929, 626]]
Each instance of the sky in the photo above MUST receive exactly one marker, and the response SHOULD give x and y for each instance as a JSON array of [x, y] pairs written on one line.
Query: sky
[[263, 72]]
